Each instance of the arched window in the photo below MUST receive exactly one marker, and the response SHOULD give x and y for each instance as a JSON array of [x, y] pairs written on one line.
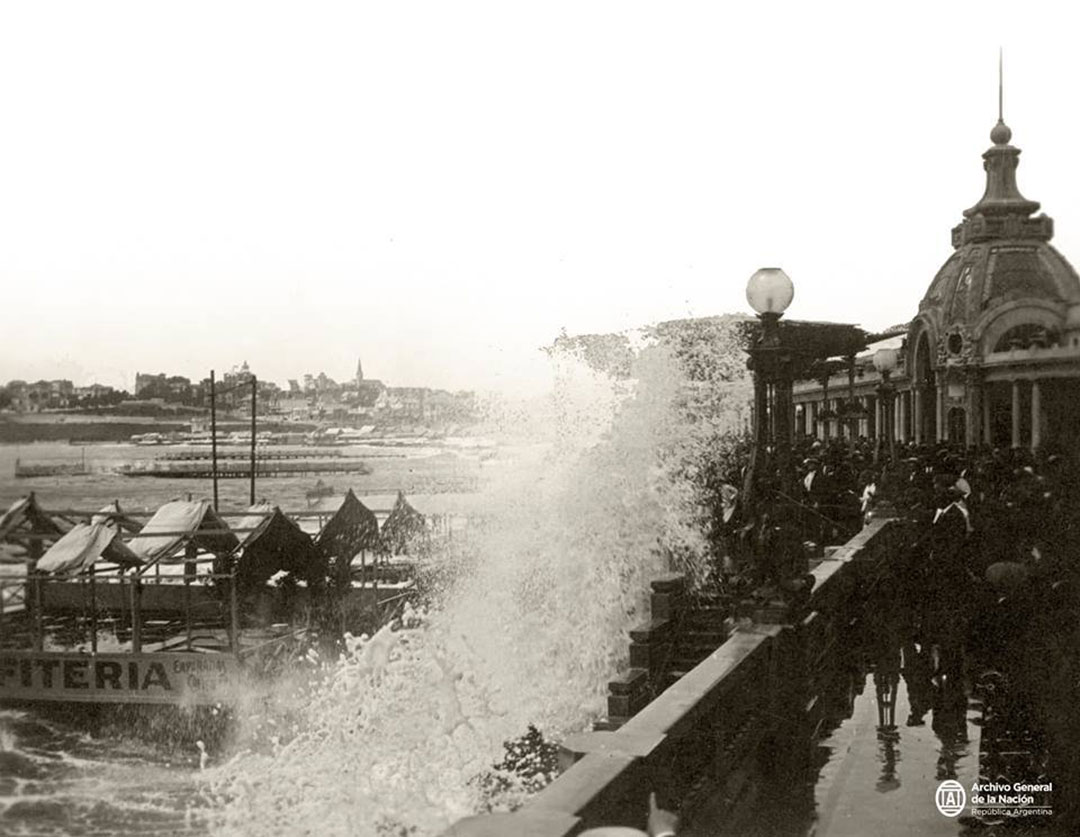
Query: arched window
[[1023, 337], [924, 372]]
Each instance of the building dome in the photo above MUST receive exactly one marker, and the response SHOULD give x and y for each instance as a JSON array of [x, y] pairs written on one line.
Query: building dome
[[1004, 274], [978, 278]]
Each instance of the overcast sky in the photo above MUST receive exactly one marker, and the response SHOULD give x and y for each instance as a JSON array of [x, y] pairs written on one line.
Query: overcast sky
[[439, 188]]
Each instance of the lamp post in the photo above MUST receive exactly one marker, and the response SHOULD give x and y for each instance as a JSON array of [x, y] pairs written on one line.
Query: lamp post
[[770, 477], [885, 363], [769, 293]]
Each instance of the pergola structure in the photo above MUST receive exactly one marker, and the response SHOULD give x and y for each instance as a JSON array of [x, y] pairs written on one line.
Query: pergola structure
[[780, 354]]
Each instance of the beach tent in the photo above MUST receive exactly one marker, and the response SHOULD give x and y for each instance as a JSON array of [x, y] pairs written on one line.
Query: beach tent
[[245, 527], [88, 543], [25, 515], [404, 525], [279, 545], [178, 523], [352, 529]]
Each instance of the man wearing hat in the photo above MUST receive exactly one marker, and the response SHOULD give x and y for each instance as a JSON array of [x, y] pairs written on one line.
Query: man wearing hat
[[948, 578], [817, 496]]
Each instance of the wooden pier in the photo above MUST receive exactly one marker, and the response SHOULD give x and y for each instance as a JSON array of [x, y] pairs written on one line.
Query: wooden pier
[[239, 469], [29, 470], [260, 455]]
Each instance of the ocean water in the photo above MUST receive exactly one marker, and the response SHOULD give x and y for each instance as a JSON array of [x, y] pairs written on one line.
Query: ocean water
[[529, 625], [58, 779], [424, 470]]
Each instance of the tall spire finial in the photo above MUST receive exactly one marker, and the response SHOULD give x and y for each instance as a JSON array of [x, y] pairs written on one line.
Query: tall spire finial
[[1000, 135], [1001, 87]]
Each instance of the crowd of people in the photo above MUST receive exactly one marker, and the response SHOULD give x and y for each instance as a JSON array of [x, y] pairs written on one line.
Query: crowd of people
[[1006, 517], [987, 591], [1002, 506]]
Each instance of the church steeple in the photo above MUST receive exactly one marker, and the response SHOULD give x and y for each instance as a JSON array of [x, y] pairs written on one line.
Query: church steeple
[[359, 370]]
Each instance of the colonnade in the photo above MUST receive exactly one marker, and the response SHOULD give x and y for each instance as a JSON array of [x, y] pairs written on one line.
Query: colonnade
[[911, 421]]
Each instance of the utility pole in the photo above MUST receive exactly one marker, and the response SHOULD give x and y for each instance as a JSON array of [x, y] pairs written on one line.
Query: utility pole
[[213, 437], [254, 395]]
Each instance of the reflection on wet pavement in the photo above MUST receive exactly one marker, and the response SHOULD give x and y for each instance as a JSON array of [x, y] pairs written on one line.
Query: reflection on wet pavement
[[906, 700]]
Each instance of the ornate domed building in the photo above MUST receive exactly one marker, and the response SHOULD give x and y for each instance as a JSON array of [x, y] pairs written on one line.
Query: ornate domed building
[[996, 333], [993, 355]]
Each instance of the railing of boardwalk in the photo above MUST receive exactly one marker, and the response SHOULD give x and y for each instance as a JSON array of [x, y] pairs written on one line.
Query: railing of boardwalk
[[697, 742]]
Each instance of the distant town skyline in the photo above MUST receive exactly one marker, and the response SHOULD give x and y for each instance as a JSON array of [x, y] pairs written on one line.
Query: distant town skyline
[[305, 381], [308, 397], [220, 371], [443, 188]]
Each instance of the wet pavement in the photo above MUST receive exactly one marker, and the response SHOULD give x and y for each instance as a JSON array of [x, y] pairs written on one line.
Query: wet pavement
[[882, 781], [911, 696]]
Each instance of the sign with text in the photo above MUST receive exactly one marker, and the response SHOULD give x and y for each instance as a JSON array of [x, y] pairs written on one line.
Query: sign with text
[[117, 678]]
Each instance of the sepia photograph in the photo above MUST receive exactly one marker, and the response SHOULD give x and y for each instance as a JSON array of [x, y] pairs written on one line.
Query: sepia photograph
[[566, 419]]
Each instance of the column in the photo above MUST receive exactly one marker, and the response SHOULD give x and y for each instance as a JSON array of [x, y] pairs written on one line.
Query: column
[[971, 415], [1016, 414], [888, 415], [852, 425], [879, 418], [1036, 415], [917, 418], [942, 431], [784, 426], [987, 429], [898, 417]]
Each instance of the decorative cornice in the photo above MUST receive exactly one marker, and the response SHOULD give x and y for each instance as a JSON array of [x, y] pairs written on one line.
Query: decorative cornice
[[982, 228]]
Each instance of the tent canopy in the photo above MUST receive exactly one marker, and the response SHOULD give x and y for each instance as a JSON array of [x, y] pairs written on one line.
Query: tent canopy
[[248, 526], [88, 543], [353, 528], [113, 514], [402, 526], [186, 521], [279, 545], [27, 511]]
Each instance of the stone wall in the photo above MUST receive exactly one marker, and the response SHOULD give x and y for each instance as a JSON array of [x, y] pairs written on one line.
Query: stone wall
[[695, 744]]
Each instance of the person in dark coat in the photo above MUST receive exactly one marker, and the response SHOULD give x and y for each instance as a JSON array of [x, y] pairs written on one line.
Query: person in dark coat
[[948, 581], [819, 497]]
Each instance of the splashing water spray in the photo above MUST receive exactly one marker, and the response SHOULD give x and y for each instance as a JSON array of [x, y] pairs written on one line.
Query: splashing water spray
[[532, 624]]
